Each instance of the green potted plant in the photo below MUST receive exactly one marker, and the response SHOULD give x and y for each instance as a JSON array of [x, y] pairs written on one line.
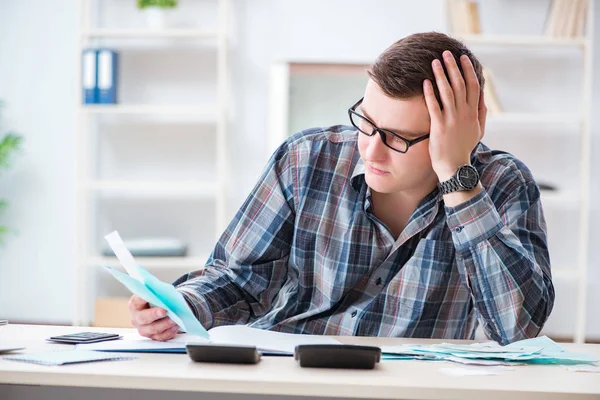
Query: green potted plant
[[155, 11], [9, 143]]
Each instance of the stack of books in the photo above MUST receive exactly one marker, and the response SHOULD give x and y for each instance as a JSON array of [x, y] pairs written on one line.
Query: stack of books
[[464, 17], [566, 18]]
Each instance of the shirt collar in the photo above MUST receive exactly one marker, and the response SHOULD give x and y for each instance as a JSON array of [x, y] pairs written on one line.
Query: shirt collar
[[358, 175]]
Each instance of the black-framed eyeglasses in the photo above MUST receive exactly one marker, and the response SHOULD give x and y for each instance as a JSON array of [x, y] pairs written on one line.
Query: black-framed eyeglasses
[[389, 138]]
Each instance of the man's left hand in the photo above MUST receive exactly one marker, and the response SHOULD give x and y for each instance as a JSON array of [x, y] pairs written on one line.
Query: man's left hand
[[457, 129]]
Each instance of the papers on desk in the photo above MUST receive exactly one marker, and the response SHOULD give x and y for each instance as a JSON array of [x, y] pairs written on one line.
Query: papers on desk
[[161, 294], [268, 342], [65, 357], [541, 350]]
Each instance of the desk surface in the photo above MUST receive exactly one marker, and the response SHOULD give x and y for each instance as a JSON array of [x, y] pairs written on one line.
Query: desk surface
[[282, 376]]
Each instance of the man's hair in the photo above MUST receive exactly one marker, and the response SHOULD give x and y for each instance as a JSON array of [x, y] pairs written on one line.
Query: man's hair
[[401, 69]]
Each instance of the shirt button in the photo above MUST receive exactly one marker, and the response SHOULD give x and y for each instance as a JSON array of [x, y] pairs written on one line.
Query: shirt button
[[378, 282], [354, 313], [458, 229]]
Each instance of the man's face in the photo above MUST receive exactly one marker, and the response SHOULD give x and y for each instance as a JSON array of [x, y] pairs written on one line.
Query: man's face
[[387, 171]]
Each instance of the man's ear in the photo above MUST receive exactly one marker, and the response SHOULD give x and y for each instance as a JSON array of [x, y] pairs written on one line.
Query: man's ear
[[481, 113]]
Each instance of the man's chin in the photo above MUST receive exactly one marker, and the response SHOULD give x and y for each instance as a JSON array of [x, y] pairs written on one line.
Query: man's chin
[[382, 184]]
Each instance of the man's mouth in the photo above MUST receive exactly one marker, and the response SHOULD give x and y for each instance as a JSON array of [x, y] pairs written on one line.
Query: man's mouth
[[377, 171]]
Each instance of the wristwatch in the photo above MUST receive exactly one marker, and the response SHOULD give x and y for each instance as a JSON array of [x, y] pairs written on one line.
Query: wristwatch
[[466, 177]]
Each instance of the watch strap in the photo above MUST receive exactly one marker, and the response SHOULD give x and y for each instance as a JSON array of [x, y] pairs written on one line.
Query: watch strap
[[450, 186]]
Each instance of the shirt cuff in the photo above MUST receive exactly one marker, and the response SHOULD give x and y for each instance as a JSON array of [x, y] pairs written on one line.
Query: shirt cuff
[[473, 221], [198, 305]]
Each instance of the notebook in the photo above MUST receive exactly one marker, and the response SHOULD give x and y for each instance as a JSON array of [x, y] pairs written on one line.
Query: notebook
[[52, 358], [268, 342]]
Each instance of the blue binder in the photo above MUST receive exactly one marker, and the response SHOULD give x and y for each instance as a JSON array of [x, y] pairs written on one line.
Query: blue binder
[[107, 76], [89, 76]]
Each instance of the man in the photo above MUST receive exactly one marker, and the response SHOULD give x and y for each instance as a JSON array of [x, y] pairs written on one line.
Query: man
[[402, 224]]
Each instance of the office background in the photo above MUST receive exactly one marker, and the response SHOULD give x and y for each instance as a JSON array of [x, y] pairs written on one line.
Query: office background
[[39, 69]]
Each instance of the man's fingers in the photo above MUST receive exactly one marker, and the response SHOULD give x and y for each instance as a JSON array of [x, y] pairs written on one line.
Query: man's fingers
[[473, 86], [443, 85], [456, 79], [137, 303], [432, 104], [166, 335], [157, 327], [145, 317]]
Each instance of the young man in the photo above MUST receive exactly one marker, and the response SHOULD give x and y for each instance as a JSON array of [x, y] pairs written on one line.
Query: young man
[[402, 224]]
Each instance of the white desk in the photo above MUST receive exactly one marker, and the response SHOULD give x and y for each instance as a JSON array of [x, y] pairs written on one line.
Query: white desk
[[177, 376]]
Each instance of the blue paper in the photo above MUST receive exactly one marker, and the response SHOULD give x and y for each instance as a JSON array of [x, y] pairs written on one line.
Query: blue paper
[[540, 350], [163, 295]]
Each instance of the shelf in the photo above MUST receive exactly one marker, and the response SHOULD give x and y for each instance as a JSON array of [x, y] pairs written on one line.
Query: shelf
[[156, 189], [151, 34], [555, 118], [524, 40], [152, 262], [152, 109]]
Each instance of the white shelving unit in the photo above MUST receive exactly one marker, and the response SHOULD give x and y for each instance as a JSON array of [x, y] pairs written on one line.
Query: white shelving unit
[[567, 200], [281, 124], [93, 189]]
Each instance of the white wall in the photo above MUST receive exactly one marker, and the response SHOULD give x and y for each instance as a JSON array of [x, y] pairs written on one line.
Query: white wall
[[39, 261]]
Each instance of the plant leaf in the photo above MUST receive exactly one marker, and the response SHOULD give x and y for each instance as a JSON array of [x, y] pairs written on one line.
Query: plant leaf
[[10, 143]]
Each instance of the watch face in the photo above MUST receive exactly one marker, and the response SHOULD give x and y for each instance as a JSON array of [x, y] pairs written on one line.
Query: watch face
[[468, 177]]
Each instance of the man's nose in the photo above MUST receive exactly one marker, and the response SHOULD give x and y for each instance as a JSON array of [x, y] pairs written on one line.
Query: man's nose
[[376, 149]]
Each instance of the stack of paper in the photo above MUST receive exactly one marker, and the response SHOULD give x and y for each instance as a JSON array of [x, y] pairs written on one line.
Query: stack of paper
[[542, 350]]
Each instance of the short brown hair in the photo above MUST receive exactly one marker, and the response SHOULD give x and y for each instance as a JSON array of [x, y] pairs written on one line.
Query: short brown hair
[[401, 69]]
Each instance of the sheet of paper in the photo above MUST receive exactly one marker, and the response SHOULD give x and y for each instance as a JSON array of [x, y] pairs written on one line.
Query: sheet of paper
[[138, 344], [134, 346], [541, 350], [8, 347], [65, 357], [544, 342], [163, 295], [492, 348], [124, 256], [175, 303], [264, 339], [139, 289], [267, 341]]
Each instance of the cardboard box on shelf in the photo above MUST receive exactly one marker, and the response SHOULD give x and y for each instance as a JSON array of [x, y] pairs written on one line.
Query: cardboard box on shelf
[[112, 312]]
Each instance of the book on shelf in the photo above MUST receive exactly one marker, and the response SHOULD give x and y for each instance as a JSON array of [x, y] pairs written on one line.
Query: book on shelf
[[99, 72], [464, 17], [489, 91], [566, 18]]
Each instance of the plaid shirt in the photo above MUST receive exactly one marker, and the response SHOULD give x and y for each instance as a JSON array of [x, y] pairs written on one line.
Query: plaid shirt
[[306, 254]]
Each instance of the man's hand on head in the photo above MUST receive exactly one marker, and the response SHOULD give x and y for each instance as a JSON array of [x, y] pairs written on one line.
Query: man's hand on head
[[455, 130]]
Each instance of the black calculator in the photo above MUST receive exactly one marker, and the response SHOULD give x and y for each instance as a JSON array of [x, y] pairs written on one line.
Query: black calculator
[[84, 337]]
